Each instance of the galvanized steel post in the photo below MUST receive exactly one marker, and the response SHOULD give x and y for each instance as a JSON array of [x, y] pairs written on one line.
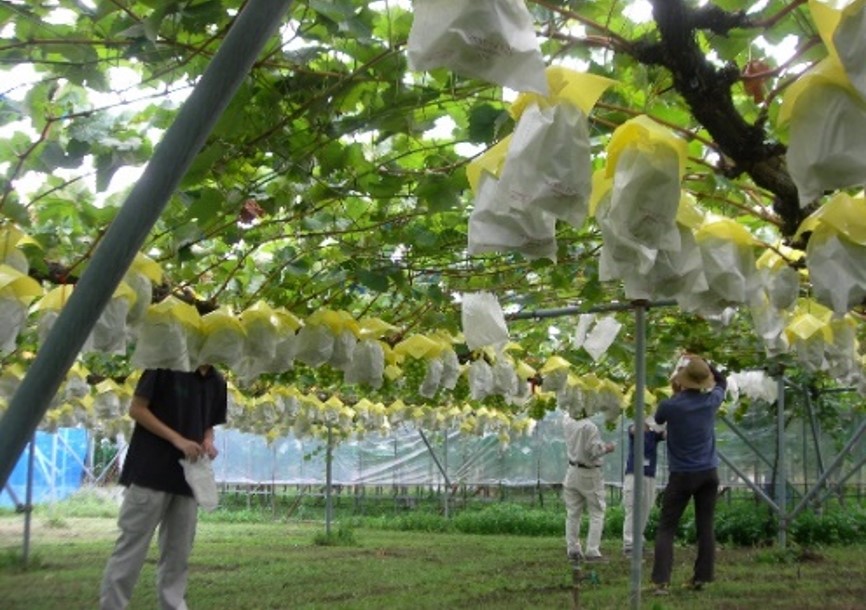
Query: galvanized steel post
[[637, 459]]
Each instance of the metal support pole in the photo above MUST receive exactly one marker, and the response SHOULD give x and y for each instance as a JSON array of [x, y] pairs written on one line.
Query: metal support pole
[[838, 485], [435, 459], [536, 448], [637, 460], [329, 458], [173, 156], [91, 453], [736, 430], [573, 311], [98, 479], [28, 501], [15, 500], [816, 435], [69, 451], [752, 485], [445, 468], [576, 577], [837, 461], [273, 480], [781, 472]]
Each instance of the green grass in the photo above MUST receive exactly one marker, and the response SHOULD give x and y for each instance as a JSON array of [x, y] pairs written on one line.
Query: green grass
[[279, 565], [277, 554]]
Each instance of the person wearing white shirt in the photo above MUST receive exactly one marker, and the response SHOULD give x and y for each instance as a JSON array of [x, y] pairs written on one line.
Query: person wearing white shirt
[[583, 487]]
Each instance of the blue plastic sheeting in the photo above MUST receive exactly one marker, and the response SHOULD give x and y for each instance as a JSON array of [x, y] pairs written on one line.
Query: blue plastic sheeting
[[58, 468]]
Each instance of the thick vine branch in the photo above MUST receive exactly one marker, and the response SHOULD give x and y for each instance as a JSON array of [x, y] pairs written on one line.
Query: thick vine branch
[[707, 90]]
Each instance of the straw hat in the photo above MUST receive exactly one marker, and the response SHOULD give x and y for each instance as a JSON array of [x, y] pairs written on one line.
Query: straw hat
[[694, 374]]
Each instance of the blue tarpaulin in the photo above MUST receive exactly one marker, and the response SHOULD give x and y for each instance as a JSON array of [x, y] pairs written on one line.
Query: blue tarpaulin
[[58, 468]]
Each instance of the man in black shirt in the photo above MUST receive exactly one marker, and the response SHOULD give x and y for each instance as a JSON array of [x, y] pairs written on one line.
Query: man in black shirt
[[175, 414]]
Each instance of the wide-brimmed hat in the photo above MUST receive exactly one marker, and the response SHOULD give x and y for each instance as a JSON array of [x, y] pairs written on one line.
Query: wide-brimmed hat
[[694, 374]]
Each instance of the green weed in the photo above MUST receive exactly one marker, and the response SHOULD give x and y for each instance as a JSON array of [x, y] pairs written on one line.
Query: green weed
[[343, 536], [12, 561]]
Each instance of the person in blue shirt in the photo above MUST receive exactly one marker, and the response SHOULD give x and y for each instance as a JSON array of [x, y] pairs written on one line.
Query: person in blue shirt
[[690, 416], [651, 437]]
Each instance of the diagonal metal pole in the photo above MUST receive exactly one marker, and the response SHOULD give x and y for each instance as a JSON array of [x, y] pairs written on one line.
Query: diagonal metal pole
[[758, 453], [837, 486], [436, 461], [754, 486], [257, 22], [736, 430], [840, 457]]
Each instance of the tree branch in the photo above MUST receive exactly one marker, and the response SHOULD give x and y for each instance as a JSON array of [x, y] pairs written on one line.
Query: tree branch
[[707, 91]]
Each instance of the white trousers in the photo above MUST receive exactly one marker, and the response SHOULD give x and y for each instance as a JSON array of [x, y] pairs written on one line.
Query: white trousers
[[584, 489], [648, 497], [142, 511]]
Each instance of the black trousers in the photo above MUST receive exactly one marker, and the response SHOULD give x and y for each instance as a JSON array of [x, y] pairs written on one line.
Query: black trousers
[[703, 486]]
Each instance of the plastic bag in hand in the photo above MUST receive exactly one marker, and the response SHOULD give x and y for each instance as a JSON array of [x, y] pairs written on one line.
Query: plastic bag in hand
[[199, 476]]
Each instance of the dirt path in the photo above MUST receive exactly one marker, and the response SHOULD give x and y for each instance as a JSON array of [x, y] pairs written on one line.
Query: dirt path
[[45, 529], [48, 525]]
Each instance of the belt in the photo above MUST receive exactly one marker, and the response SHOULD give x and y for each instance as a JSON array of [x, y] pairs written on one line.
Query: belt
[[579, 465]]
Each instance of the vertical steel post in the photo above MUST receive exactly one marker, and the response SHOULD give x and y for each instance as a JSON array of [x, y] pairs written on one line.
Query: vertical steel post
[[816, 434], [329, 458], [637, 460], [445, 468], [537, 450], [126, 234], [28, 501], [781, 471]]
